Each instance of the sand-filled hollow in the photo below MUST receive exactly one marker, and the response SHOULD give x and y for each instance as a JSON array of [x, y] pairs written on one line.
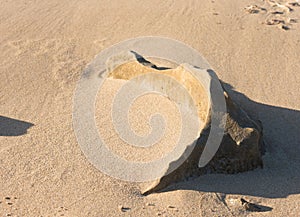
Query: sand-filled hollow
[[143, 107], [139, 116], [181, 74]]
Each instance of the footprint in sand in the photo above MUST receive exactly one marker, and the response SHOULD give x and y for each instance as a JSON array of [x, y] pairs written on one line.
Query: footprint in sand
[[277, 13], [61, 211], [7, 206]]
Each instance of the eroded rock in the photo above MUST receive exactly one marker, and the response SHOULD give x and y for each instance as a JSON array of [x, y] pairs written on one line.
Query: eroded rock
[[242, 144]]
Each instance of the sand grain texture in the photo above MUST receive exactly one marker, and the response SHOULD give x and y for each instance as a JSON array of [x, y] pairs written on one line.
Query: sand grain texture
[[45, 45]]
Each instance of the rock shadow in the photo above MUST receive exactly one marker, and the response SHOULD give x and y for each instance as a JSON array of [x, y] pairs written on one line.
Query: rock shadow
[[13, 127]]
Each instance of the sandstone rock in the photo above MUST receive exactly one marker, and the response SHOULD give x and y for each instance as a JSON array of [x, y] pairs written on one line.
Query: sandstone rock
[[242, 144]]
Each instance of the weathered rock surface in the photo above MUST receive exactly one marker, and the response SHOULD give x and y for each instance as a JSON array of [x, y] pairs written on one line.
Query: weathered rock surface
[[241, 150], [242, 145]]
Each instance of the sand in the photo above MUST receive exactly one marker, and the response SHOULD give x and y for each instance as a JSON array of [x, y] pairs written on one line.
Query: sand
[[45, 45]]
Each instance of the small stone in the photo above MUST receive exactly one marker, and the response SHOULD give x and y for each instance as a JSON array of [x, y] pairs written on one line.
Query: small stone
[[160, 212], [7, 198], [171, 207], [285, 27], [10, 203], [150, 204], [250, 206], [123, 209]]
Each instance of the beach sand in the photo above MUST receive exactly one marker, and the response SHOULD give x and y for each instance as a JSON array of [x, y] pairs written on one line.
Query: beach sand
[[44, 47]]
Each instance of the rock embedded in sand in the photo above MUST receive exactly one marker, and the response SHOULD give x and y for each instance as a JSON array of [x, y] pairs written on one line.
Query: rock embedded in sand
[[242, 145]]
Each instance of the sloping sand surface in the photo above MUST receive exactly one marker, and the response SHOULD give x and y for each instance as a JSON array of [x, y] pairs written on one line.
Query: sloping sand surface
[[45, 45]]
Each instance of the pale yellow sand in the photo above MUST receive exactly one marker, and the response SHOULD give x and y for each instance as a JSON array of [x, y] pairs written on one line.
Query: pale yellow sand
[[45, 45]]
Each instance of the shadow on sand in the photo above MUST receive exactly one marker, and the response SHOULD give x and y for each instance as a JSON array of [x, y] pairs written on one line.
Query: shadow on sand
[[13, 127], [280, 176]]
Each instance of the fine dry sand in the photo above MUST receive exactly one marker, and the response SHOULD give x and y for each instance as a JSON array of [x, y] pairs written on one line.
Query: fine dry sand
[[45, 45]]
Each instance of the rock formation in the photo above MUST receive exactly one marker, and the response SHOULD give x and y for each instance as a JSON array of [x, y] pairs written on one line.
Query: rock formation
[[242, 144]]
